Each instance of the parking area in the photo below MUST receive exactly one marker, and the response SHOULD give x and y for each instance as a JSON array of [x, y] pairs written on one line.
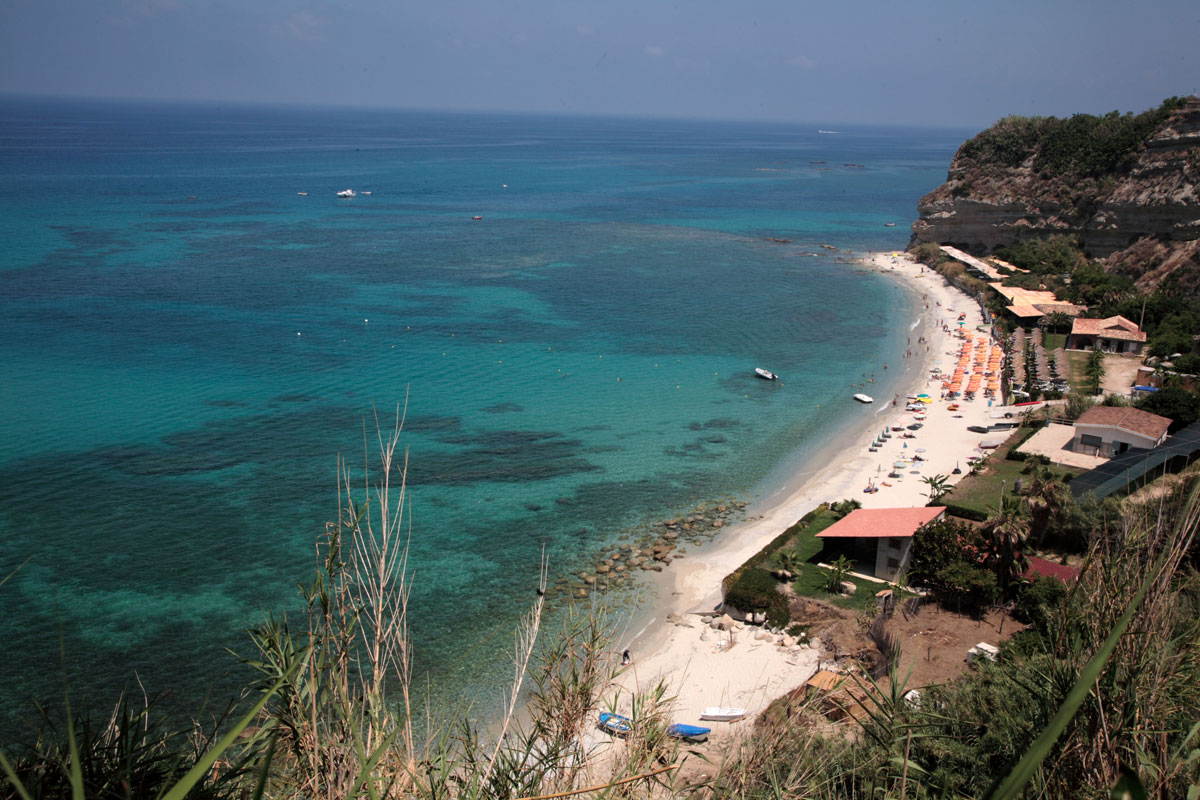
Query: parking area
[[1051, 442]]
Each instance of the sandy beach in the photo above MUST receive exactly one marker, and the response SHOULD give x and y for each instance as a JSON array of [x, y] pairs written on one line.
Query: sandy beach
[[704, 667]]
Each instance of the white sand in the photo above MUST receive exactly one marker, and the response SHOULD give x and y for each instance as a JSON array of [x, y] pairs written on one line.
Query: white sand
[[750, 673]]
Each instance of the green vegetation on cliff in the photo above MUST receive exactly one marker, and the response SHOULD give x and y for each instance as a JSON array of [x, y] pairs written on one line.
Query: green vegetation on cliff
[[1083, 145]]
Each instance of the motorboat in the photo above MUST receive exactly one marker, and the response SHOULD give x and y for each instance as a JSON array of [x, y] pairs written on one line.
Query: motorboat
[[692, 733], [346, 193], [766, 374], [889, 224], [615, 724], [723, 713], [864, 398]]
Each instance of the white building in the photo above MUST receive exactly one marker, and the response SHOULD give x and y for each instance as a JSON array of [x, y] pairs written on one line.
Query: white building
[[1109, 431], [881, 537]]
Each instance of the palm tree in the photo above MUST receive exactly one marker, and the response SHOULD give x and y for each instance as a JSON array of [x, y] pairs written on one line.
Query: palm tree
[[838, 571], [1057, 320], [939, 487], [1045, 498], [1003, 533], [789, 562]]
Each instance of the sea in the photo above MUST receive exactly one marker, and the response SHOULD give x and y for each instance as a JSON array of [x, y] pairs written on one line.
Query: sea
[[567, 310]]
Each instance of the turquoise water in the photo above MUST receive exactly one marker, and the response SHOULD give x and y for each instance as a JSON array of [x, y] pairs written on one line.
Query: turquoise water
[[190, 343]]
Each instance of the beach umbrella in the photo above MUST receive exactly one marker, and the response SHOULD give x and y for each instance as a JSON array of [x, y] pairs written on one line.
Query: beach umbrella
[[906, 445], [899, 464]]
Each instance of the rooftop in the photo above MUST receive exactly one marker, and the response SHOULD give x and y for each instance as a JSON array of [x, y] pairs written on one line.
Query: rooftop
[[1137, 465], [1052, 569], [1110, 327], [1133, 420], [878, 523], [1033, 303]]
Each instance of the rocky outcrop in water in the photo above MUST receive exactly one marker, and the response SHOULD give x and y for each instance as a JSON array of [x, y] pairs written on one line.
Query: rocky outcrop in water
[[1125, 187]]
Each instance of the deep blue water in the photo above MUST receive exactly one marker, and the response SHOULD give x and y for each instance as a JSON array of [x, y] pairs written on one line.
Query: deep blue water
[[189, 343]]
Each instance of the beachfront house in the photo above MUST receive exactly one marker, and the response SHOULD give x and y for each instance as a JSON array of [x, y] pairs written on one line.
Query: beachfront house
[[1112, 335], [1109, 431], [878, 540]]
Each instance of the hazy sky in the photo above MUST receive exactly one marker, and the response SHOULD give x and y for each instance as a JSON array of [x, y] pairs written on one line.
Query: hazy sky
[[960, 62]]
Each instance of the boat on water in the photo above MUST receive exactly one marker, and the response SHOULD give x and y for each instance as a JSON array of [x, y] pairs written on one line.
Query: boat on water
[[615, 724], [346, 193], [765, 374], [302, 194], [864, 398], [889, 224], [723, 713]]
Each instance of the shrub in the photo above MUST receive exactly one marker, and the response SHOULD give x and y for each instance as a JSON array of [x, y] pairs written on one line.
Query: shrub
[[962, 512], [967, 587], [939, 544], [1092, 146], [1038, 599], [1053, 255], [1009, 142], [755, 589], [1188, 364], [1175, 403], [844, 507], [1020, 455]]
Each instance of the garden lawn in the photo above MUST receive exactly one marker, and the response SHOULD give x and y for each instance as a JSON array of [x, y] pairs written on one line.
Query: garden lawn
[[981, 491]]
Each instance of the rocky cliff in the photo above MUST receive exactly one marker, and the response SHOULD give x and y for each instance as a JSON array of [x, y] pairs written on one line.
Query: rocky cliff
[[1124, 186]]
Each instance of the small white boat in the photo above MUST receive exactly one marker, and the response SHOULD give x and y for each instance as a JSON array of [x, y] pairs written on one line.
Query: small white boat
[[766, 374], [346, 193], [302, 194], [889, 224], [864, 398], [723, 713], [366, 192]]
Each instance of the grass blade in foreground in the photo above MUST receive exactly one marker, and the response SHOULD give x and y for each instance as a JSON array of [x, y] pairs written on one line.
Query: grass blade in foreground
[[193, 776]]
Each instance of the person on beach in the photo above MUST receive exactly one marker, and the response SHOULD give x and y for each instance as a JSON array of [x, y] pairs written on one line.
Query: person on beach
[[626, 658]]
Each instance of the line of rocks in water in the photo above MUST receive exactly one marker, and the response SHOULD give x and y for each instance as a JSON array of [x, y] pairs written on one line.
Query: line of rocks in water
[[656, 547]]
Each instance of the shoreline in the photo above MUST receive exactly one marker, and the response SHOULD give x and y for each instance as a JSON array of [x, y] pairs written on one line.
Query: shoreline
[[751, 673]]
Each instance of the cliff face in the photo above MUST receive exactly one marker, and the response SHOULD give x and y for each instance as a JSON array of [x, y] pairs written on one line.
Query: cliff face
[[1141, 215]]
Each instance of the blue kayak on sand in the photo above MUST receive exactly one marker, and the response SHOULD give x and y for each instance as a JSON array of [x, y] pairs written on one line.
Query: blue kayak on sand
[[622, 726], [692, 733]]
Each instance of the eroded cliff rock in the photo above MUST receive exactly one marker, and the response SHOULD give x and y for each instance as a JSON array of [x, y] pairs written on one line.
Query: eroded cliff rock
[[1134, 205]]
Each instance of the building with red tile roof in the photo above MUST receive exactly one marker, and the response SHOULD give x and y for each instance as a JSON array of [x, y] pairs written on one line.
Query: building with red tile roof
[[1112, 335], [882, 536], [1108, 431], [1052, 569]]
